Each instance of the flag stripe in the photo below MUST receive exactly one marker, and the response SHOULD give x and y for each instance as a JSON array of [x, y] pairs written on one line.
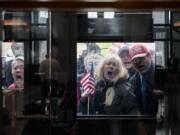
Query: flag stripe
[[85, 82], [85, 78], [88, 83]]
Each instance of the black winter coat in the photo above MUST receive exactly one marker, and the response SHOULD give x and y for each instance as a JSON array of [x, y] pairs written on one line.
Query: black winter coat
[[123, 102]]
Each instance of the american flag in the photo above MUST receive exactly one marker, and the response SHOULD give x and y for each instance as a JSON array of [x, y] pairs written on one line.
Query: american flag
[[88, 83]]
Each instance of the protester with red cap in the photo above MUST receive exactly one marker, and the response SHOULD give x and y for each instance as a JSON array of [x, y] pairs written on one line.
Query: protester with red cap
[[144, 78], [144, 84], [141, 58]]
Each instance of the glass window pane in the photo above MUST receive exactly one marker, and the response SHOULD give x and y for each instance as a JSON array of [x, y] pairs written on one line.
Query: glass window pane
[[161, 32], [39, 17], [39, 32], [161, 17], [39, 51], [161, 58]]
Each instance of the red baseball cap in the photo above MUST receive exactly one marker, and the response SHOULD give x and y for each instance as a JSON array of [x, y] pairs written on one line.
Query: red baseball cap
[[138, 51]]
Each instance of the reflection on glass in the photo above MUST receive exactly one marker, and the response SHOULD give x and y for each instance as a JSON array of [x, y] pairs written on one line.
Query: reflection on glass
[[50, 72]]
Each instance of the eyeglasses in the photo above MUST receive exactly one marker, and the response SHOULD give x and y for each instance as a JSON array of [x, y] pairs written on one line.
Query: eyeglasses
[[138, 60]]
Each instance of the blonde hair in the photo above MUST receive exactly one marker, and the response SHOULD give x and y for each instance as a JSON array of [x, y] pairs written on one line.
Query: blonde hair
[[122, 71]]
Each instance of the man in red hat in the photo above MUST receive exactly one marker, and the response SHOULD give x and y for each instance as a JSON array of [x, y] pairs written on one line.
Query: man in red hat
[[144, 79], [144, 84]]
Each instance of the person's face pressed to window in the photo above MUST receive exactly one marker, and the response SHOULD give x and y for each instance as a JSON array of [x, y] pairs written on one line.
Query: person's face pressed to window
[[142, 64], [110, 70], [126, 59], [92, 61], [17, 49], [18, 72]]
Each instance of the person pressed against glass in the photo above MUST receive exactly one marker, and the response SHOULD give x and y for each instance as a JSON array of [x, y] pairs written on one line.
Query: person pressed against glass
[[142, 64], [144, 81], [126, 59], [110, 70], [144, 78], [18, 73], [17, 49], [146, 95], [113, 94], [94, 59], [91, 62]]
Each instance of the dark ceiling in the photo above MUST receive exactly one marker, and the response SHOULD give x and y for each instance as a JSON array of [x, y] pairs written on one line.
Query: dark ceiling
[[92, 4]]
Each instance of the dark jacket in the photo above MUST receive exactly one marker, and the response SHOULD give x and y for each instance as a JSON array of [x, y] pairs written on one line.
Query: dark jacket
[[123, 103], [149, 105]]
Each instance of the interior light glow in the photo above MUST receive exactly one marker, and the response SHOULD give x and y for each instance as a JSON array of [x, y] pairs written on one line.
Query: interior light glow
[[92, 15], [109, 15]]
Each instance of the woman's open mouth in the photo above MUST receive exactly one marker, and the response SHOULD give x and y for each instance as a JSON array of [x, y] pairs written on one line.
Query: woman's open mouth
[[109, 73], [19, 77]]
